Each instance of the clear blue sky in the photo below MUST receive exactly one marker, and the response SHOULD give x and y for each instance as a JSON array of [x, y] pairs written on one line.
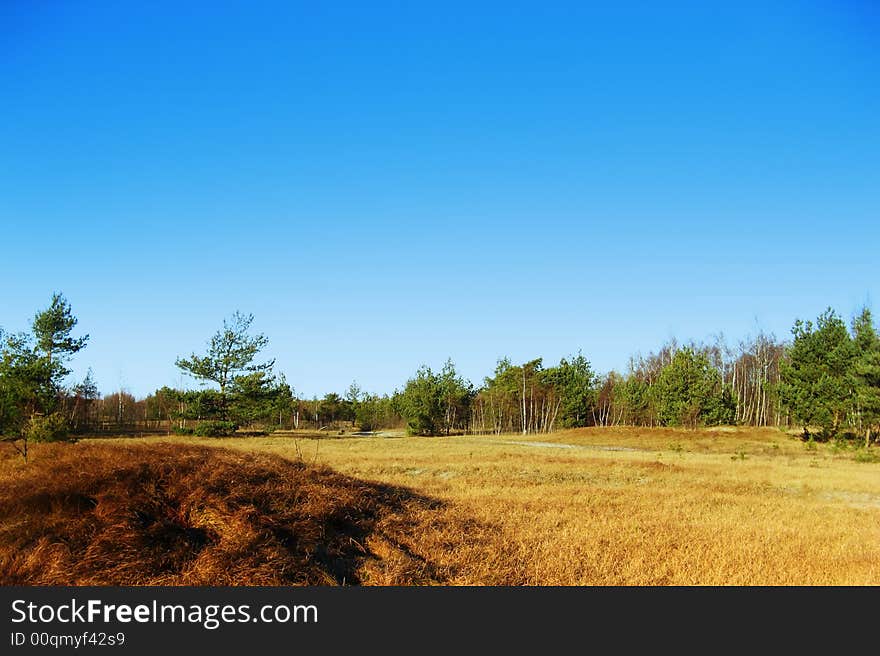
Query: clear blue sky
[[390, 184]]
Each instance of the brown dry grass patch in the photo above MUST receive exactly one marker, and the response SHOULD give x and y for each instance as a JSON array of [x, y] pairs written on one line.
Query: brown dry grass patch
[[114, 513]]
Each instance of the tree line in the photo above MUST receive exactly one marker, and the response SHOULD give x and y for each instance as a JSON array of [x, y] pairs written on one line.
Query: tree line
[[824, 380]]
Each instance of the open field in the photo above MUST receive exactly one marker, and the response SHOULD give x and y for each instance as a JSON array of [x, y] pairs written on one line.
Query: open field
[[581, 507]]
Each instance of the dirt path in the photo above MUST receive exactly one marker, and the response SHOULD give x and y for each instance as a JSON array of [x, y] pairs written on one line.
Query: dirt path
[[563, 445]]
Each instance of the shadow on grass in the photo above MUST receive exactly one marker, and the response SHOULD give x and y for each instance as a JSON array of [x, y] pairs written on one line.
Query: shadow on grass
[[167, 514]]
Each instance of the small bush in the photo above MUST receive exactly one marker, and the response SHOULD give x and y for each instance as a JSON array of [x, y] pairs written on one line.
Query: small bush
[[182, 430], [51, 428], [214, 428], [866, 455], [843, 444]]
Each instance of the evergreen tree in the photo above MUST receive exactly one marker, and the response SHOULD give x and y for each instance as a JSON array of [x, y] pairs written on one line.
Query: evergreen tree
[[229, 362], [455, 397], [421, 404], [434, 403], [32, 372], [576, 382], [867, 375], [689, 392], [635, 397], [51, 331], [817, 377]]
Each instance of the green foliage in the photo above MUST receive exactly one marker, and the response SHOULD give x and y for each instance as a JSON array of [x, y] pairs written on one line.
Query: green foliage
[[48, 428], [420, 403], [333, 408], [689, 392], [456, 395], [531, 398], [636, 401], [52, 328], [433, 402], [719, 408], [164, 404], [817, 377], [255, 398], [373, 412], [259, 398], [248, 392], [25, 385], [867, 455], [575, 382], [866, 375], [32, 372], [231, 353], [202, 404], [182, 430], [214, 429], [353, 396]]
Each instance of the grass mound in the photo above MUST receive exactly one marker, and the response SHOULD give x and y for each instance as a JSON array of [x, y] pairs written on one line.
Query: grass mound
[[165, 514]]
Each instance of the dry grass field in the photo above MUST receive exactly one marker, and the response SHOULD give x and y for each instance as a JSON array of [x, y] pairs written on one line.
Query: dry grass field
[[582, 507], [167, 514]]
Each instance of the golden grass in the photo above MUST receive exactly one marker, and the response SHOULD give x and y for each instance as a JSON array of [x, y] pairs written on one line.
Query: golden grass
[[607, 507]]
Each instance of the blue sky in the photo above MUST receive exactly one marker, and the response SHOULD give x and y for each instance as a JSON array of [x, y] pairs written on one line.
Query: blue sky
[[389, 184]]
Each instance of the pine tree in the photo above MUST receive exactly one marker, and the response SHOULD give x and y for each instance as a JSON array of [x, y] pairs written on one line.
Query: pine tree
[[817, 375], [867, 375], [32, 372]]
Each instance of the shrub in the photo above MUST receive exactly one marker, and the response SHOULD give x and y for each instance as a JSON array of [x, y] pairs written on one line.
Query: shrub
[[865, 455], [49, 428], [215, 428], [182, 430]]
